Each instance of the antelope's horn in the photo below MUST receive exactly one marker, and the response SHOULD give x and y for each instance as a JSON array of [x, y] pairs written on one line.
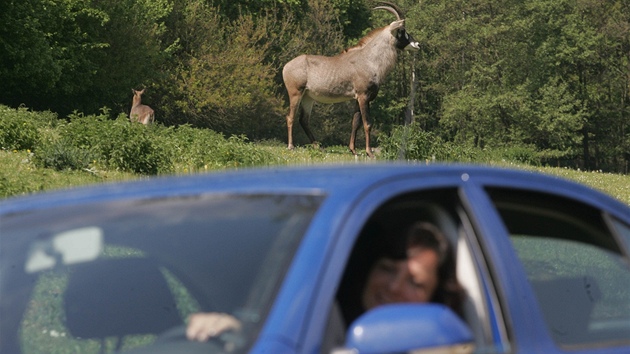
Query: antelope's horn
[[388, 6]]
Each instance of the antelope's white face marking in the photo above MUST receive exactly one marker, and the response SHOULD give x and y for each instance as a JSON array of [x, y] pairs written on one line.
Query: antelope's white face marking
[[405, 41]]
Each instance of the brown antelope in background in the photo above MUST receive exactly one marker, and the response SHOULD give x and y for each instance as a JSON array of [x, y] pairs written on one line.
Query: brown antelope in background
[[140, 112], [354, 74]]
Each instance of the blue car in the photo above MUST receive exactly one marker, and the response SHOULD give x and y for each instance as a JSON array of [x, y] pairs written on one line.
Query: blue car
[[544, 263]]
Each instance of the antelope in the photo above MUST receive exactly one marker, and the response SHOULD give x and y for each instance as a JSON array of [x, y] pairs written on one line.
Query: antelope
[[140, 112], [354, 74]]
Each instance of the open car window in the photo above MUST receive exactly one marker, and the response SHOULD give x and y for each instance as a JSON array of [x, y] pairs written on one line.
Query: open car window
[[575, 263], [439, 207]]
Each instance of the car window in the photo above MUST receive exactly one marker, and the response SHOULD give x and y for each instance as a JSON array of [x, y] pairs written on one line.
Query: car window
[[115, 276], [438, 207], [578, 270]]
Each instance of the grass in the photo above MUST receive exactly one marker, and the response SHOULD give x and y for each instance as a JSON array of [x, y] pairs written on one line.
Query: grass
[[19, 175], [615, 185]]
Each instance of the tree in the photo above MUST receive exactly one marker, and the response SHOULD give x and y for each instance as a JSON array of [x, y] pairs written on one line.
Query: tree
[[71, 55], [47, 50], [553, 73], [221, 79], [137, 52]]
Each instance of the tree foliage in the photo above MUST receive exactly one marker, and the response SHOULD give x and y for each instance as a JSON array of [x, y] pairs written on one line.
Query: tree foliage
[[551, 75]]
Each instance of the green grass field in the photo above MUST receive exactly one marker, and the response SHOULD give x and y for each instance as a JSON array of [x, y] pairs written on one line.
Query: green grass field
[[19, 175]]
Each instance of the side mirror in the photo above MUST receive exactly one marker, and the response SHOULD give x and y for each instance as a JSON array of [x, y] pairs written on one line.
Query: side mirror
[[400, 328]]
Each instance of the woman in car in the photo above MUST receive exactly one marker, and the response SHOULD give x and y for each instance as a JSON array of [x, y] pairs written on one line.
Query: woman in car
[[417, 266]]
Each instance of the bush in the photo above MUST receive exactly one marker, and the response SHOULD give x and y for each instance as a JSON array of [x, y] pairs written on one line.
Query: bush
[[19, 128], [96, 142], [134, 148], [193, 148], [200, 149], [522, 154], [237, 151], [453, 152], [409, 142], [131, 147], [122, 145], [61, 155], [114, 144], [11, 187], [412, 143]]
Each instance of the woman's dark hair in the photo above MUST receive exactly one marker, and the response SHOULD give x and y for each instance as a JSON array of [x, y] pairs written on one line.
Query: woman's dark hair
[[428, 236], [374, 243]]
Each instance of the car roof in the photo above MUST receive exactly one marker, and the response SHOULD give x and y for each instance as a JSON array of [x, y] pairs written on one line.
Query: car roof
[[314, 179]]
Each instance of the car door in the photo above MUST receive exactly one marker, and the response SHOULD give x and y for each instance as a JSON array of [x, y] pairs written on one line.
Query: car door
[[559, 255], [434, 198], [507, 304]]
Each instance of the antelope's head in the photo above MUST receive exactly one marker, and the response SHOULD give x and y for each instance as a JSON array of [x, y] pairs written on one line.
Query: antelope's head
[[137, 93], [404, 40], [137, 96]]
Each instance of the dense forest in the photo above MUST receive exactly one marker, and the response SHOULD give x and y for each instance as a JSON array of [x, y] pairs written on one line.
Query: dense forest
[[549, 76]]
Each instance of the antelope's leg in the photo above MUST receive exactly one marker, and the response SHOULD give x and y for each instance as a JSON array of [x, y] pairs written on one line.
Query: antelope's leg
[[305, 116], [364, 105], [294, 107], [355, 126], [290, 128]]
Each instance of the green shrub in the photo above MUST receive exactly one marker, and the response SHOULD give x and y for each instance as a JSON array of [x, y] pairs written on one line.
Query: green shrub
[[522, 154], [193, 148], [412, 143], [201, 149], [237, 151], [17, 130], [134, 148], [453, 152], [62, 155], [131, 147], [119, 144], [86, 131], [409, 142]]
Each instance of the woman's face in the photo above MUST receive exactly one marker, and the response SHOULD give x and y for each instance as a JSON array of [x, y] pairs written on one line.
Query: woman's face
[[394, 281]]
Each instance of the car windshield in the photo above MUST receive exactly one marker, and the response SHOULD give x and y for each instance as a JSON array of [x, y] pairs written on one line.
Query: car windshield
[[124, 275]]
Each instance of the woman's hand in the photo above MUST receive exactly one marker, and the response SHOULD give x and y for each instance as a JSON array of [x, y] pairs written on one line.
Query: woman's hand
[[205, 325]]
